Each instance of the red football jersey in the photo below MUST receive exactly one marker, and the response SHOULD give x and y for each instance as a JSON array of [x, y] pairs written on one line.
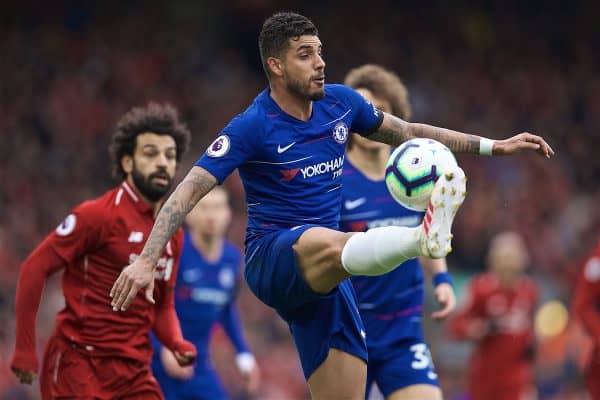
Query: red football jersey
[[503, 357], [93, 244], [586, 303], [586, 306]]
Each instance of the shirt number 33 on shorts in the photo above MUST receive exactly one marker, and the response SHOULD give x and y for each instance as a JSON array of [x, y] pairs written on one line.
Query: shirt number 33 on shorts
[[422, 359]]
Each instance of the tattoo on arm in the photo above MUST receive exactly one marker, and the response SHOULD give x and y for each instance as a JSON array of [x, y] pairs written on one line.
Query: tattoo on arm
[[394, 131], [194, 186]]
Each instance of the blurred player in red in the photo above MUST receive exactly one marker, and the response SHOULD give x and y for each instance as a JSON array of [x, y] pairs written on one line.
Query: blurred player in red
[[498, 317], [586, 306], [95, 353]]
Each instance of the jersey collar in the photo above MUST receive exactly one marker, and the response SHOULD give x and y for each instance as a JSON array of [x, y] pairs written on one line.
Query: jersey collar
[[278, 111], [136, 199]]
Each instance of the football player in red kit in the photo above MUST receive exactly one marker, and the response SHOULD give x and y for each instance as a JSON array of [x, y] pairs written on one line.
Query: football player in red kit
[[498, 317], [93, 352], [586, 306]]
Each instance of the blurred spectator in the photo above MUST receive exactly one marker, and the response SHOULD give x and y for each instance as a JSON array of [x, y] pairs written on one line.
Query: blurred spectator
[[207, 284], [497, 316], [586, 307]]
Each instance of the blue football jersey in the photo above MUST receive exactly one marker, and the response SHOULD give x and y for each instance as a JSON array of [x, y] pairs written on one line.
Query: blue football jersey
[[291, 169], [391, 305], [205, 294]]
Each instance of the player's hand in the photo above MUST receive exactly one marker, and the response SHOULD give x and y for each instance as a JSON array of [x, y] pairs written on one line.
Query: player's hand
[[138, 275], [444, 294], [185, 359], [521, 142], [185, 353], [24, 376], [172, 367]]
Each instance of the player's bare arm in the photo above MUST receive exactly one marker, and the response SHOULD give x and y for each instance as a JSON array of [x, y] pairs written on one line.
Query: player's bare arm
[[194, 186], [140, 273], [394, 131], [443, 290]]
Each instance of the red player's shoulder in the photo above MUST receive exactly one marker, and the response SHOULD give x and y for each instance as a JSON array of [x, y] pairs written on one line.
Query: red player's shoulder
[[530, 286], [484, 282], [529, 282], [100, 207]]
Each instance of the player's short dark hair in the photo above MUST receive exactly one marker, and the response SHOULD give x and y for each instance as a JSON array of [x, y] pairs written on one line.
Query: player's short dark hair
[[161, 119], [276, 32], [382, 83]]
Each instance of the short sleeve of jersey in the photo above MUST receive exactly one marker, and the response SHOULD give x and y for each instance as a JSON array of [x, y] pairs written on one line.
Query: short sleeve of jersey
[[235, 145], [367, 119], [79, 233]]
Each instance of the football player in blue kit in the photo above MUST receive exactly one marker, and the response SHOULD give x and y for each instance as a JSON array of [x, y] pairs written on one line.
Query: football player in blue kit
[[209, 269], [289, 147], [391, 306]]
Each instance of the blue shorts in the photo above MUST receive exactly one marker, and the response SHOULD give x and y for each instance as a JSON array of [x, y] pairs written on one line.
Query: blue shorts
[[317, 322], [407, 363]]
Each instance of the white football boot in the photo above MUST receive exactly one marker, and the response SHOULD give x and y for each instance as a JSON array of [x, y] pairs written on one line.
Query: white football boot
[[446, 198]]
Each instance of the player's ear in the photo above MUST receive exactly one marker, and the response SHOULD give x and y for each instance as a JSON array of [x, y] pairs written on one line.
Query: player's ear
[[275, 66], [127, 164]]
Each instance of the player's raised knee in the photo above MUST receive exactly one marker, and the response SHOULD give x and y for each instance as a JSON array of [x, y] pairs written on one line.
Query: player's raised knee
[[319, 253], [333, 247], [321, 246]]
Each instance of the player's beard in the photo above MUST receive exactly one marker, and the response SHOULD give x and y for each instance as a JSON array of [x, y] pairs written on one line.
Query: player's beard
[[302, 89], [147, 188]]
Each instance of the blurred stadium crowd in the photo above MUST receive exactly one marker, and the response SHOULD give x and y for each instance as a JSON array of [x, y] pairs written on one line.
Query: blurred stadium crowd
[[69, 71]]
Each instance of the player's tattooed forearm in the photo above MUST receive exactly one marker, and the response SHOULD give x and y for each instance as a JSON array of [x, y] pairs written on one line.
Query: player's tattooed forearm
[[468, 144], [456, 141], [395, 131], [194, 186], [392, 131]]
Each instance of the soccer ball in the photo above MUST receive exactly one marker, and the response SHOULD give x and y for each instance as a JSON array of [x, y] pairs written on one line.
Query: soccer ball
[[413, 168]]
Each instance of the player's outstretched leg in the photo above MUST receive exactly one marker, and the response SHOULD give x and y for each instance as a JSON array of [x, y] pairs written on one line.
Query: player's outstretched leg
[[446, 198], [379, 250]]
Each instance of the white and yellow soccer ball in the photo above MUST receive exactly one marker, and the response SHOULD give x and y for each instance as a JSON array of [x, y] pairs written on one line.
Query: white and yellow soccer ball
[[413, 168]]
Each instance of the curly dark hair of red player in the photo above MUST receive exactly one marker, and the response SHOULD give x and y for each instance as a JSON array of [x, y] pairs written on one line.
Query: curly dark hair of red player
[[161, 119]]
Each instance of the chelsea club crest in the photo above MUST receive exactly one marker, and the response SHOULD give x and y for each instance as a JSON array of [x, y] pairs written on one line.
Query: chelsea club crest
[[340, 132]]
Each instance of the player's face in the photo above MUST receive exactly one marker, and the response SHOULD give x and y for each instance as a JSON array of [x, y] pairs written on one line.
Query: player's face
[[304, 68], [211, 216], [153, 165], [509, 258], [382, 104]]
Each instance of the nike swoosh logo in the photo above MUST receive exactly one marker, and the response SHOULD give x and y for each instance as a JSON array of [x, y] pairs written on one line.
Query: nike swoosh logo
[[282, 149], [352, 204]]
